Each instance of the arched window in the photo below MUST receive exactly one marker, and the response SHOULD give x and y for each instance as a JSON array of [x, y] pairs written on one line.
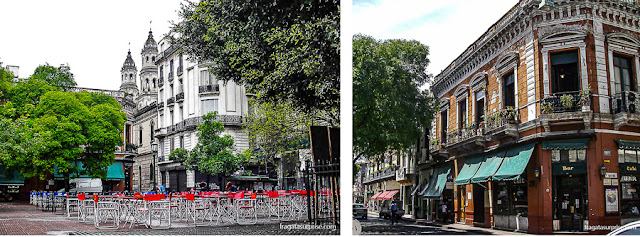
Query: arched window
[[154, 83], [147, 87], [130, 76], [147, 58], [153, 59]]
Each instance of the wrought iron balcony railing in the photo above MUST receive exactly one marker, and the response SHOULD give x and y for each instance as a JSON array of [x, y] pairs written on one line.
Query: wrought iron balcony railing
[[209, 88], [500, 118], [161, 82], [470, 131], [566, 102], [626, 102], [385, 173], [180, 97], [160, 105], [171, 100]]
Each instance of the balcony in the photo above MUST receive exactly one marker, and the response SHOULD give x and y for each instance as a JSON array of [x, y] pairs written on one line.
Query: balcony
[[171, 100], [180, 70], [209, 89], [502, 124], [566, 108], [160, 105], [465, 139], [625, 107], [160, 82], [405, 174], [160, 132], [170, 76], [387, 173], [180, 97]]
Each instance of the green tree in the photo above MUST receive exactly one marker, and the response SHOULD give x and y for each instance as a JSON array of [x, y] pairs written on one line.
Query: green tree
[[59, 77], [282, 50], [6, 83], [277, 128], [213, 155], [388, 106], [45, 129]]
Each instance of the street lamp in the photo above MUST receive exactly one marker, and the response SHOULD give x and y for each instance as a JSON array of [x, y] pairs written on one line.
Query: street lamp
[[154, 149]]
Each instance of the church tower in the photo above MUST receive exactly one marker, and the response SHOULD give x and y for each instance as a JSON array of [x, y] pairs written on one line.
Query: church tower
[[149, 72], [129, 73]]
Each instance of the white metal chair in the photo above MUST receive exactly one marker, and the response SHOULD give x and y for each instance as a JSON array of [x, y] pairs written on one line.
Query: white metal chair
[[107, 212]]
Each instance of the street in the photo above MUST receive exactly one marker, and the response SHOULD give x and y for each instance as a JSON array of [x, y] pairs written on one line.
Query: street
[[24, 219], [377, 226]]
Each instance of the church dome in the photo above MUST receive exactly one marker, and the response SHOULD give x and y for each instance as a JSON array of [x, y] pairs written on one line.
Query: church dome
[[128, 63], [150, 46]]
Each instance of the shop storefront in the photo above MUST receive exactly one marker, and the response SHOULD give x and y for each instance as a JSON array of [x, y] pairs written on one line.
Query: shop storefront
[[570, 201], [493, 189], [11, 188], [439, 197], [628, 159]]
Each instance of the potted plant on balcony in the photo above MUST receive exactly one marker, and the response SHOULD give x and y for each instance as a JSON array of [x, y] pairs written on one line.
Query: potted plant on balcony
[[585, 98], [567, 101], [509, 114], [546, 107]]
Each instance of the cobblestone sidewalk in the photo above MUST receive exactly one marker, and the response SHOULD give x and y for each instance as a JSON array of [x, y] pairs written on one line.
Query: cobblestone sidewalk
[[25, 219]]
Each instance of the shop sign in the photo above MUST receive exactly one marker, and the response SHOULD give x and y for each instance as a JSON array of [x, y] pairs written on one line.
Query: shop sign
[[607, 152], [628, 178], [611, 175], [611, 200], [629, 168], [610, 182], [575, 168]]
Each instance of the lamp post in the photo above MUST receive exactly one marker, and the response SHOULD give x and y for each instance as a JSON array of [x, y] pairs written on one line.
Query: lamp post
[[154, 149]]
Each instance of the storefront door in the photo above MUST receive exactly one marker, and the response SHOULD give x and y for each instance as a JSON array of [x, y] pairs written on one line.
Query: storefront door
[[478, 203], [569, 201]]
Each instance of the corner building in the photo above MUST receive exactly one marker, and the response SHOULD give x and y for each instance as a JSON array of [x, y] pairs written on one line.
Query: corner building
[[539, 124]]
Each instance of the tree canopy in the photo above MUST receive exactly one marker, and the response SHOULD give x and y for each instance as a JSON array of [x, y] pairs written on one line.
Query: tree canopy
[[280, 50], [388, 106], [277, 128], [213, 154], [46, 130]]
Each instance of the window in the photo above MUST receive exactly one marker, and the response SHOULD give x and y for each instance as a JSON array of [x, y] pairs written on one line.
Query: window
[[128, 133], [568, 156], [151, 138], [140, 136], [154, 83], [171, 145], [462, 114], [511, 197], [207, 78], [153, 59], [443, 126], [509, 90], [181, 141], [147, 58], [209, 106], [171, 117], [479, 107], [161, 72], [180, 63], [171, 68], [564, 72], [622, 73], [151, 172]]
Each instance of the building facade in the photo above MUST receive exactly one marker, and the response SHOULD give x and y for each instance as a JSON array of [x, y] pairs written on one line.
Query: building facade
[[538, 130], [186, 92]]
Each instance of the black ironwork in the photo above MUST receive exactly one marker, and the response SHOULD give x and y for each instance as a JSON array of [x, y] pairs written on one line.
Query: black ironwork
[[209, 88], [180, 96]]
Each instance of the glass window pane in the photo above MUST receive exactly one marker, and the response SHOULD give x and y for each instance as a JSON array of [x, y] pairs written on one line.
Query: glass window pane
[[573, 156], [620, 156], [564, 155], [555, 155], [582, 154], [630, 156]]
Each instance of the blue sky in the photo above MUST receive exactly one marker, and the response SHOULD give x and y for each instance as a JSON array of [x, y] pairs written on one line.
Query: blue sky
[[447, 27]]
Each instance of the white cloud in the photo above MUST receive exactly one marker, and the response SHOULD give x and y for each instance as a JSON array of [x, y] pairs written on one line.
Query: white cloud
[[92, 36], [447, 27]]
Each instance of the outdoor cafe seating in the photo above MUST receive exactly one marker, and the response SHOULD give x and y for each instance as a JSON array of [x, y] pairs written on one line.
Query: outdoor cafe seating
[[161, 211]]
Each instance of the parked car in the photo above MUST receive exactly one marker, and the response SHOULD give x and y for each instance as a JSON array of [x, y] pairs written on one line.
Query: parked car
[[632, 228], [359, 210]]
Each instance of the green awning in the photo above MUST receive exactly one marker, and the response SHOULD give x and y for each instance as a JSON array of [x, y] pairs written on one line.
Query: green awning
[[440, 180], [574, 144], [469, 168], [415, 190], [488, 167], [16, 179], [514, 163], [631, 145], [115, 171]]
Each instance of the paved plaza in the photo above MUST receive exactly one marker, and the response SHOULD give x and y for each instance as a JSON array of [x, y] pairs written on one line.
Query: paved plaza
[[20, 218]]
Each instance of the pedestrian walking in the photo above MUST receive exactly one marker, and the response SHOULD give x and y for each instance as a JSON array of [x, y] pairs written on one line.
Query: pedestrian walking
[[394, 211]]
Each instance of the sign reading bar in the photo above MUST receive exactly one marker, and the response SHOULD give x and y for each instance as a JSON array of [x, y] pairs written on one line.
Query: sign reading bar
[[569, 168]]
